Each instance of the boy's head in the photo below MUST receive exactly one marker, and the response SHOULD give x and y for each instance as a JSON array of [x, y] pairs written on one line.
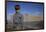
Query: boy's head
[[17, 7]]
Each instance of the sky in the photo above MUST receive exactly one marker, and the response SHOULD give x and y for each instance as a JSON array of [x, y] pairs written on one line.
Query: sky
[[34, 9]]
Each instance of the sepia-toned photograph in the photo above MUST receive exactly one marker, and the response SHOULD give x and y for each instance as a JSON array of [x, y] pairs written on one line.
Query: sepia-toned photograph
[[21, 15]]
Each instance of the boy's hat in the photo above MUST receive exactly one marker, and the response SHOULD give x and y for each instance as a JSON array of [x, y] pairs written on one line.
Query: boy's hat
[[17, 7]]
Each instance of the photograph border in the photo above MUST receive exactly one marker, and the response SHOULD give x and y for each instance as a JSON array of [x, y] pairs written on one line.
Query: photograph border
[[20, 2]]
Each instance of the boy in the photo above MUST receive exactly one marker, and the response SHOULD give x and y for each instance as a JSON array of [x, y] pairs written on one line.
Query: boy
[[17, 19]]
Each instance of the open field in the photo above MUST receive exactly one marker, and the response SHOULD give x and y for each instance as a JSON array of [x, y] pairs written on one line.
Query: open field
[[35, 25]]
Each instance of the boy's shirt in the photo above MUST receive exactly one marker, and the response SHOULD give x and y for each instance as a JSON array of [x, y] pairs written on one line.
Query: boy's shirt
[[17, 21]]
